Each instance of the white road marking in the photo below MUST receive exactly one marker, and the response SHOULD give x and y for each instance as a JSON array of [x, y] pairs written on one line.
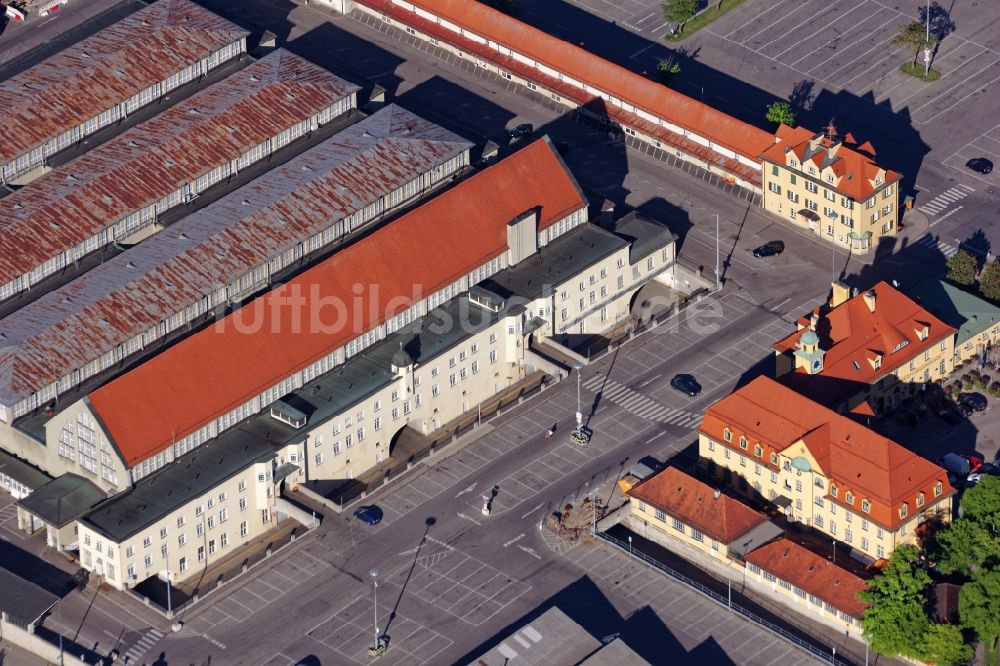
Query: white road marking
[[532, 511], [530, 551], [514, 540], [462, 515], [467, 490]]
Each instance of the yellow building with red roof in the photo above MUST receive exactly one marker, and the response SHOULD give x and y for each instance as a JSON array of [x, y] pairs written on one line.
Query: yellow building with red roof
[[875, 347], [821, 469], [831, 186]]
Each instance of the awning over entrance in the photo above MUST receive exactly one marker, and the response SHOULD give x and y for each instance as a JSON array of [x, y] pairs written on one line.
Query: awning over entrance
[[284, 471], [809, 214], [63, 500]]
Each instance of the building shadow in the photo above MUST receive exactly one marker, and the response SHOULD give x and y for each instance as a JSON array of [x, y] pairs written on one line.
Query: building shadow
[[891, 131], [586, 605], [25, 565]]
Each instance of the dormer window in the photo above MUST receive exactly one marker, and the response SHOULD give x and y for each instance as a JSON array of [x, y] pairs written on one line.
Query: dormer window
[[757, 451], [833, 489], [743, 443], [849, 497], [866, 506], [727, 435], [938, 489], [774, 458], [920, 499], [923, 332], [904, 511], [877, 362]]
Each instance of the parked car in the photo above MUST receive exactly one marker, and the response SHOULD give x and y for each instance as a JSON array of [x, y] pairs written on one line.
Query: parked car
[[955, 465], [980, 164], [370, 514], [521, 131], [975, 462], [686, 384], [987, 469], [977, 401], [963, 409], [770, 249]]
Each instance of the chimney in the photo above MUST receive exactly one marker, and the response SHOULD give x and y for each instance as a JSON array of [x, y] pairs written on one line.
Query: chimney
[[717, 493], [870, 299], [813, 321], [840, 294]]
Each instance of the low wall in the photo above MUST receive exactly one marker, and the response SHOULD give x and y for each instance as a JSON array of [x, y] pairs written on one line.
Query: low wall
[[28, 640]]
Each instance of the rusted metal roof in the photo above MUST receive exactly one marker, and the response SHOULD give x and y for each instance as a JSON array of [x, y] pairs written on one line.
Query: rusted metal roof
[[77, 323], [209, 129], [106, 69]]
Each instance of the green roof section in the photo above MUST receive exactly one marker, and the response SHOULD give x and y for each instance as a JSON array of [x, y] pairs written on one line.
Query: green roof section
[[968, 313], [22, 471], [171, 487], [62, 500]]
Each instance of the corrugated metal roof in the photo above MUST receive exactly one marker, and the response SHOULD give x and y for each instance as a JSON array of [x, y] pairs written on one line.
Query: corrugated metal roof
[[106, 69], [219, 368], [76, 201], [77, 323]]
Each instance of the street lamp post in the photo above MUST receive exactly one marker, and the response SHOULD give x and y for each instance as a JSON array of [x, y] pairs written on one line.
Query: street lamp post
[[374, 574], [630, 554], [834, 655], [927, 42], [579, 408], [718, 278]]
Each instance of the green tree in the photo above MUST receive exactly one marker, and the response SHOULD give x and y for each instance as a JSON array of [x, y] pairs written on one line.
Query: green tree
[[978, 602], [895, 621], [913, 36], [989, 281], [962, 268], [945, 646], [679, 11], [781, 112], [667, 69], [964, 545], [981, 502]]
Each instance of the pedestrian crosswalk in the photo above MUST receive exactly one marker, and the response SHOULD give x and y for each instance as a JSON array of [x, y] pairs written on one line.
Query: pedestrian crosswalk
[[947, 198], [929, 241], [640, 405], [141, 647]]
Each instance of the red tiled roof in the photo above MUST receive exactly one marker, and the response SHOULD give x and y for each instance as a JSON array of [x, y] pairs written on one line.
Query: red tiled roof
[[812, 573], [220, 368], [694, 503], [853, 457], [579, 65], [854, 166], [852, 334]]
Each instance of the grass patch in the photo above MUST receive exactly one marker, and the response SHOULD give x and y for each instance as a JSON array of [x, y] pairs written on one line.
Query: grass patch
[[917, 72], [699, 21]]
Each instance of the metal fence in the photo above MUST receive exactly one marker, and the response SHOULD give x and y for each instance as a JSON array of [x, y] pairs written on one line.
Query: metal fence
[[815, 649]]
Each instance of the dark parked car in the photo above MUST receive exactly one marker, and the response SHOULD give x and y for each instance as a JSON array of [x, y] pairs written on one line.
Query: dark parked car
[[980, 164], [769, 249], [369, 514], [986, 469], [975, 400], [686, 384], [963, 409], [521, 131]]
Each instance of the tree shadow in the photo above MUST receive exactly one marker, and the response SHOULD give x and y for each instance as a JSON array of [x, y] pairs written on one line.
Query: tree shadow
[[941, 24], [802, 96]]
